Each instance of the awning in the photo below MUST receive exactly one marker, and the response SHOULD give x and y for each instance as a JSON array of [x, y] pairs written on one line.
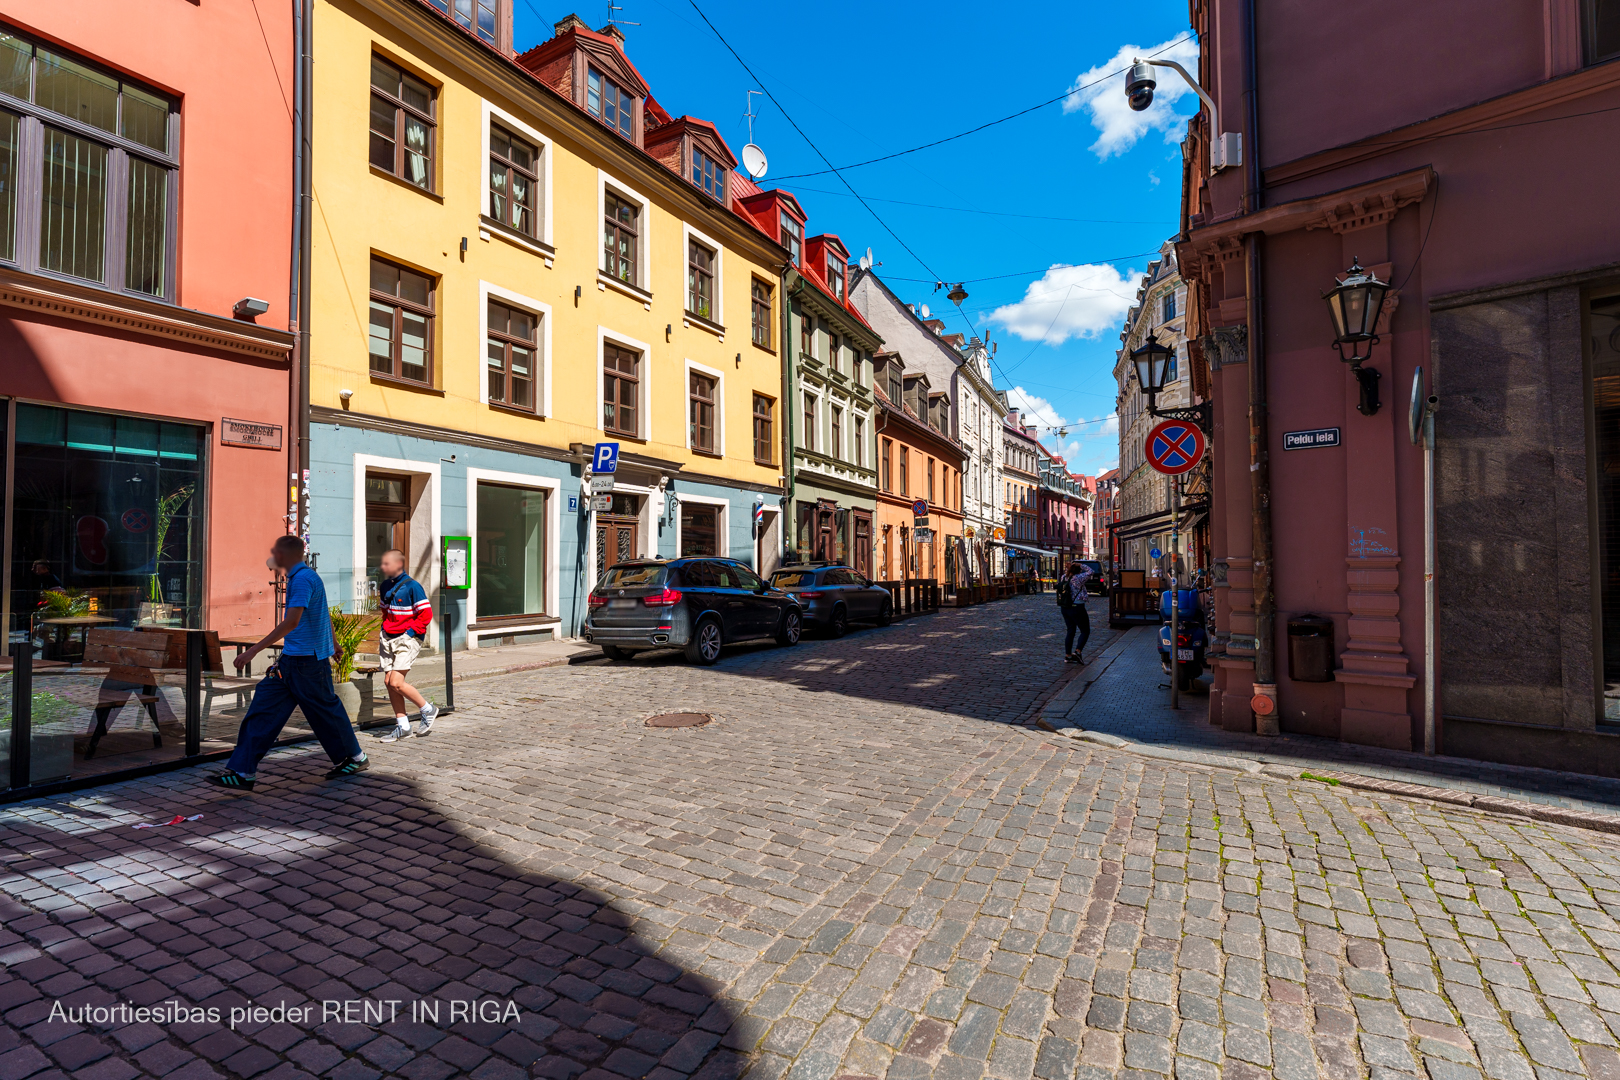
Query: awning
[[1040, 553]]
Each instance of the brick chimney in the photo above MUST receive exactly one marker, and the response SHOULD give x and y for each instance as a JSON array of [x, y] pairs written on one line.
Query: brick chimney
[[612, 30], [569, 22]]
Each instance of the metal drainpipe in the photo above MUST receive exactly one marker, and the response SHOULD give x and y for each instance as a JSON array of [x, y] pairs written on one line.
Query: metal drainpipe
[[295, 276], [1265, 601], [306, 78], [789, 517]]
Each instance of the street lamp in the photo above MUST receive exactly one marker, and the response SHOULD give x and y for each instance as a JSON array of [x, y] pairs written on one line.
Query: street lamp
[[1355, 305], [1153, 360]]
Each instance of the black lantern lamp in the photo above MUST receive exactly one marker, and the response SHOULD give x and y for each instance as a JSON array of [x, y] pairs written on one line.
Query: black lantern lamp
[[1355, 305], [1153, 362]]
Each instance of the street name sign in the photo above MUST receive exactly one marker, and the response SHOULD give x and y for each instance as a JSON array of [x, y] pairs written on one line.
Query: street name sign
[[1174, 447], [1309, 440]]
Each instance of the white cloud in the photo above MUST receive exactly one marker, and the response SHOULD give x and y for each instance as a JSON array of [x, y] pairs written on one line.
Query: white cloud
[[1039, 409], [1070, 302], [1118, 127]]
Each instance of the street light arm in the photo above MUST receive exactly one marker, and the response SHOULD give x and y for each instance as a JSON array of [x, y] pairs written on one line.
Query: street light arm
[[1214, 115]]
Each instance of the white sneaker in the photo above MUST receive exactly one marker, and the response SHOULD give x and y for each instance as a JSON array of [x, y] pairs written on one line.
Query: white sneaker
[[429, 712], [400, 731]]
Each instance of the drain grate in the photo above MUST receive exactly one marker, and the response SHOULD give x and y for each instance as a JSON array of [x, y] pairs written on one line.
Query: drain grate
[[679, 719]]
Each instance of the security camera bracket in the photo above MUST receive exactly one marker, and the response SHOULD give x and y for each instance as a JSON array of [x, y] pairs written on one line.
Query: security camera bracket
[[1226, 148]]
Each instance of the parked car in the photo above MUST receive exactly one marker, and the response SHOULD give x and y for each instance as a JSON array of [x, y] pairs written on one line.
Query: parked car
[[1097, 584], [831, 596], [696, 604]]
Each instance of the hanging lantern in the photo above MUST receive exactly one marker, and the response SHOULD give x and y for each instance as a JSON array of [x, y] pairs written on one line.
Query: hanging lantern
[[1355, 305], [957, 294], [1152, 365]]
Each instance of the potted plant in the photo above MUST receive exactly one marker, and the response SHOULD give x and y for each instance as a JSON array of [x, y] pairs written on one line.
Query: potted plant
[[153, 609], [349, 633]]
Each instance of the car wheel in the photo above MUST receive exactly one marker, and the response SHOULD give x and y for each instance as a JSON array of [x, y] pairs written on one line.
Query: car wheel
[[886, 616], [792, 628], [839, 625], [613, 652], [704, 648]]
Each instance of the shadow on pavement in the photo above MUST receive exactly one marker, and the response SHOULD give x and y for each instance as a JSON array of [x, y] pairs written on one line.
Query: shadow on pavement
[[341, 897]]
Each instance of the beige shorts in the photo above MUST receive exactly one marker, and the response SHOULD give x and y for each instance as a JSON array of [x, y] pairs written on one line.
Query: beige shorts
[[397, 653]]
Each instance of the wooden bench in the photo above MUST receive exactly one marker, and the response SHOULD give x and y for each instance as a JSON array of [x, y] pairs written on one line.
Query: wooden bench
[[215, 682], [133, 660]]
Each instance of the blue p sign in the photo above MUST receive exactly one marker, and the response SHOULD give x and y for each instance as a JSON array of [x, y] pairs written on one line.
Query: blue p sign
[[606, 459]]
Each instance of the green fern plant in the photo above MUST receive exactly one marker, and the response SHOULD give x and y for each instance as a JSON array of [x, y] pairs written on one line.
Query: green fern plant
[[64, 603], [349, 632]]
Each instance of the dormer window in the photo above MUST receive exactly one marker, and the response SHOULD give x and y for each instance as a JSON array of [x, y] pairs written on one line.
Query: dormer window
[[792, 237], [479, 16], [708, 174], [610, 104], [835, 276]]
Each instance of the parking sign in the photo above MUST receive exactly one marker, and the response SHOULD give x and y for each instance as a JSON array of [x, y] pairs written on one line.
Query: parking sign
[[606, 458]]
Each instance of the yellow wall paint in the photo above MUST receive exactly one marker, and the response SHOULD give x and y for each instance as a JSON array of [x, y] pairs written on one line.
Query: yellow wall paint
[[358, 213]]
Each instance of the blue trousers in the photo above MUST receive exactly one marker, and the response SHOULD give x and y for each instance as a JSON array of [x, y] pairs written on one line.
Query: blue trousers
[[1074, 618], [305, 683]]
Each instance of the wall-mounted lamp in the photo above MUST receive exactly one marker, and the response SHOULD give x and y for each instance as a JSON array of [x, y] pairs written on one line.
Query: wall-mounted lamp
[[739, 359], [579, 291], [1355, 305], [669, 331], [344, 395], [463, 249], [250, 308]]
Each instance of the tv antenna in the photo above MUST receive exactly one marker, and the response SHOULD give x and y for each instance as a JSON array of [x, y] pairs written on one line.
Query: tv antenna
[[614, 20], [753, 158]]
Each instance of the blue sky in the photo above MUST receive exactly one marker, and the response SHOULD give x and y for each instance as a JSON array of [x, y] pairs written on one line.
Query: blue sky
[[1099, 185]]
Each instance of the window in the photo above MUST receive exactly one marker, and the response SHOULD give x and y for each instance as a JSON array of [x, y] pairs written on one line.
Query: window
[[905, 470], [1602, 30], [402, 124], [700, 281], [708, 174], [700, 535], [885, 451], [401, 322], [619, 220], [1170, 370], [621, 385], [859, 456], [98, 199], [760, 294], [792, 236], [479, 16], [700, 412], [764, 445], [930, 479], [512, 356], [807, 336], [895, 388], [835, 356], [835, 275], [609, 104], [510, 551], [809, 421], [1169, 307], [513, 169], [836, 444]]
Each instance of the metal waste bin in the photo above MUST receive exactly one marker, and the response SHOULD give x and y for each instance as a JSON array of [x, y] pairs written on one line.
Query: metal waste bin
[[1310, 649]]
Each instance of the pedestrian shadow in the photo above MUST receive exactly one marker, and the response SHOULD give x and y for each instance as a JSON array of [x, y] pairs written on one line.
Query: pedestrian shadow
[[417, 949]]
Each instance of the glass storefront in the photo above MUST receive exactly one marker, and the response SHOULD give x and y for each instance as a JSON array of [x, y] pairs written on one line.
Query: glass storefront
[[511, 551], [107, 524], [700, 529], [1603, 321]]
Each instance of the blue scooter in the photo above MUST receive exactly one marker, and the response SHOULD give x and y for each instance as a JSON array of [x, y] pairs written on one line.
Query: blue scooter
[[1189, 635]]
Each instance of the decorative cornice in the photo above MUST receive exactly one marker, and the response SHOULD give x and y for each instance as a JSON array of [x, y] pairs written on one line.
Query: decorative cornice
[[80, 303]]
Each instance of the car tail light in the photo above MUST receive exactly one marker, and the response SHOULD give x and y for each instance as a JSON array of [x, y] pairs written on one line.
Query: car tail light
[[596, 601], [809, 594], [663, 599]]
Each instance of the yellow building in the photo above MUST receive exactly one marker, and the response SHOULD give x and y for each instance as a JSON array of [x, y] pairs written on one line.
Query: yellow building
[[515, 258]]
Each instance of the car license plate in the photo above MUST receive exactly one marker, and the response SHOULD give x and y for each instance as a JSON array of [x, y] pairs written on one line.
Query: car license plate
[[621, 603], [1184, 654]]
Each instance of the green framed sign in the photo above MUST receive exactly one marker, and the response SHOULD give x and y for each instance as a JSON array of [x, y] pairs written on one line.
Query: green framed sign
[[457, 561]]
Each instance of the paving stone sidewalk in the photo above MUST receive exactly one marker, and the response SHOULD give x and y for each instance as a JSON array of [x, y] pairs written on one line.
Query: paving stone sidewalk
[[865, 866], [1126, 700]]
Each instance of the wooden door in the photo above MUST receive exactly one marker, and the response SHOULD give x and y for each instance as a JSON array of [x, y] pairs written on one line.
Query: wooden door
[[616, 542], [863, 544]]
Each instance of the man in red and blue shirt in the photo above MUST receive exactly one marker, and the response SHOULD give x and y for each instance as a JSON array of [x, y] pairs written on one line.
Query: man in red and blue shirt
[[406, 613]]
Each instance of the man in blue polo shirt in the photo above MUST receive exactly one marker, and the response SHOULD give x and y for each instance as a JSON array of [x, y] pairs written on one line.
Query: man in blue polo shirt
[[302, 678]]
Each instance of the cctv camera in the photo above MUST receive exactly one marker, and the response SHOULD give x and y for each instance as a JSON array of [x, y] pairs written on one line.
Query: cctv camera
[[1139, 84]]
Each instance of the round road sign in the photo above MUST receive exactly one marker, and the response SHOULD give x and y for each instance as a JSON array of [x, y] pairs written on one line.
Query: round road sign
[[919, 508], [1174, 447]]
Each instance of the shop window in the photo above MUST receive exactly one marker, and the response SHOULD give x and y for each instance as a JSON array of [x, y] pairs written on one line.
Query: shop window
[[700, 529], [511, 551], [1603, 318], [108, 512], [1602, 30]]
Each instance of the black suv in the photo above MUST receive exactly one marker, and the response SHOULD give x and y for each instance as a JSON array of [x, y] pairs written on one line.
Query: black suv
[[830, 596], [698, 604]]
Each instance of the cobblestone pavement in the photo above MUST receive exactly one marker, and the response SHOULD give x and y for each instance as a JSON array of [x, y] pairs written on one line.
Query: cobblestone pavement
[[854, 871], [1117, 705]]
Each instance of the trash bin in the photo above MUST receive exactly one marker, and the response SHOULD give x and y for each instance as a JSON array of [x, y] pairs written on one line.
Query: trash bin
[[1310, 649]]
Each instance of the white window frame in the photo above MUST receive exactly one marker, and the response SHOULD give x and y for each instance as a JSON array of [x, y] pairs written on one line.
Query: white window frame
[[688, 234], [493, 113], [643, 289], [643, 377], [553, 585], [722, 525], [542, 311], [719, 378], [431, 471]]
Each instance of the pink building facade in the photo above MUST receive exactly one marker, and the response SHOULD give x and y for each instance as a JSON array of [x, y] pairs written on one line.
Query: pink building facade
[[1391, 143]]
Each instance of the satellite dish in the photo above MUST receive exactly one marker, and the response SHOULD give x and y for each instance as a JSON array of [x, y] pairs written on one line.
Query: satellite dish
[[925, 311], [754, 163], [866, 262]]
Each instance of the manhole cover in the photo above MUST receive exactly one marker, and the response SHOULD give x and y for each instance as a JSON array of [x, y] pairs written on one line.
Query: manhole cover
[[679, 719]]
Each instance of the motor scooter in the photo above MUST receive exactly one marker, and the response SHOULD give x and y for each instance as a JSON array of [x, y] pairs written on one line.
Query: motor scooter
[[1189, 635]]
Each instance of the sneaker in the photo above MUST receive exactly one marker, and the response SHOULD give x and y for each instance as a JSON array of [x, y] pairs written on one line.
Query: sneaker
[[430, 712], [1073, 658], [233, 781], [348, 767], [394, 734]]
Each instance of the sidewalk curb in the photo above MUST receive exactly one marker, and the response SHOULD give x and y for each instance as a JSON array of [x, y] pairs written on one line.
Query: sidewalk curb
[[1052, 714]]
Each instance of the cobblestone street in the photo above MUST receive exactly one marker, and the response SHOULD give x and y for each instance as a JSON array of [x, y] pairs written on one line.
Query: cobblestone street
[[869, 864]]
